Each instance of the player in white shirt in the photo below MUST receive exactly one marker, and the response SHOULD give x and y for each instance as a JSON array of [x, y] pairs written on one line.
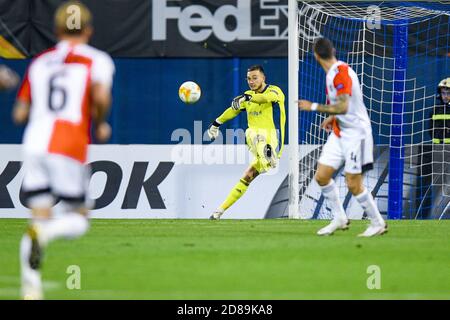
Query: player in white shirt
[[350, 141], [64, 89]]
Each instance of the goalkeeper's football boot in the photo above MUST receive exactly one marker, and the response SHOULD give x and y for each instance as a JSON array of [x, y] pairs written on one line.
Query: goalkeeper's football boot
[[335, 224], [375, 229], [216, 215]]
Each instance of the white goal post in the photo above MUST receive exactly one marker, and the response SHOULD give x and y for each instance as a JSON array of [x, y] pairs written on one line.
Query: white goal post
[[293, 63]]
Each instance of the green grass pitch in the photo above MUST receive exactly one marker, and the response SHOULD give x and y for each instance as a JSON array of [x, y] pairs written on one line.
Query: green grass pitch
[[237, 259]]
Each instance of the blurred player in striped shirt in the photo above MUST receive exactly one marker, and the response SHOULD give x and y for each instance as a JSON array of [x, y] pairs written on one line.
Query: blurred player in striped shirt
[[64, 89]]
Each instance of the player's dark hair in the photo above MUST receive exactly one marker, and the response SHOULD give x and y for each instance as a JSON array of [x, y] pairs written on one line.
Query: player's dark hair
[[324, 48], [256, 67]]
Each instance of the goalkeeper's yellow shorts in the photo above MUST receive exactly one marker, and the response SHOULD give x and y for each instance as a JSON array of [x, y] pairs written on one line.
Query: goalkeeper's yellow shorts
[[262, 143]]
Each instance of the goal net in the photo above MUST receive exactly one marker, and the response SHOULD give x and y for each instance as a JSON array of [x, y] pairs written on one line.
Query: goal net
[[400, 51]]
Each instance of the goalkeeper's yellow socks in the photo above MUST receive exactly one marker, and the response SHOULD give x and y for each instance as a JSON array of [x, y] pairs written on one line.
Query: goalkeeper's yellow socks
[[234, 195]]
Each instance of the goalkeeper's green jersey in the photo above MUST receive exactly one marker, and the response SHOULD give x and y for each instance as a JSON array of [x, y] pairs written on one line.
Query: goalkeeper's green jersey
[[261, 110]]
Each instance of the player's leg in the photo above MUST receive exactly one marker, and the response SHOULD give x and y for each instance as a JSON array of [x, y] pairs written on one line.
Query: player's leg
[[359, 158], [263, 152], [69, 181], [330, 191], [264, 143], [31, 254], [40, 233], [330, 160], [365, 199], [237, 192], [36, 194], [70, 225], [266, 153]]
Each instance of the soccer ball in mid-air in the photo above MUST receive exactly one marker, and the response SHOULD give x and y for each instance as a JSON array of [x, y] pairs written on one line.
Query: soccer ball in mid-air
[[189, 92]]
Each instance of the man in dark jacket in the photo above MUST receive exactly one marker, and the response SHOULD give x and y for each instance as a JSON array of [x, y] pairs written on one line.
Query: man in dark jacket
[[441, 114]]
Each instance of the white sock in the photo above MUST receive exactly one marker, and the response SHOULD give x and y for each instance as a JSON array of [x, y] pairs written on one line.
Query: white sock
[[367, 202], [25, 250], [31, 279], [69, 226], [331, 194]]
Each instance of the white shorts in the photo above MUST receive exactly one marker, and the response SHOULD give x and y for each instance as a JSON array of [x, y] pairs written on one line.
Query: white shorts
[[357, 153], [52, 177]]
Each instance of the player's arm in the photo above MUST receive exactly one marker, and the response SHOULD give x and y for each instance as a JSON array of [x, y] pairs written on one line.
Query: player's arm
[[102, 76], [282, 127], [275, 95], [227, 115], [327, 124], [101, 103], [270, 95], [21, 111], [101, 100], [341, 107]]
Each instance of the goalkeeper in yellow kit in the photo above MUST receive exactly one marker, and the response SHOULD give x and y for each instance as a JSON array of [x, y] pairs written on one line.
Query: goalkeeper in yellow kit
[[261, 135]]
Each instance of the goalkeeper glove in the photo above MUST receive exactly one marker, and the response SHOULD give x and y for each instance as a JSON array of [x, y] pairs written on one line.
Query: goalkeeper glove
[[236, 103], [213, 130]]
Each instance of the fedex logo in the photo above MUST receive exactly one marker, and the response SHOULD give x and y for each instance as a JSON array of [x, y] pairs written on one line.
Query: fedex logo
[[197, 22]]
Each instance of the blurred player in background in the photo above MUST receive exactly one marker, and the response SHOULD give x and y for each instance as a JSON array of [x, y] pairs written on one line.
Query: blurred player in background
[[261, 134], [8, 78], [64, 88], [350, 141]]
